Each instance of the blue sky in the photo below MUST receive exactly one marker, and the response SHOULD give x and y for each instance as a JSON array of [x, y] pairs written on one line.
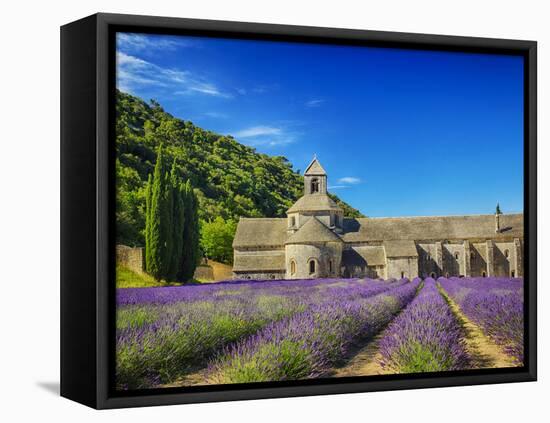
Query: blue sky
[[400, 132]]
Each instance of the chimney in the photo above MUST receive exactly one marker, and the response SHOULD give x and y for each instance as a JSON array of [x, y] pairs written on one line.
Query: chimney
[[497, 218]]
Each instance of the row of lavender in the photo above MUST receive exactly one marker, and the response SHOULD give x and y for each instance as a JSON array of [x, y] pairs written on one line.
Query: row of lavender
[[308, 344], [494, 304], [165, 333], [282, 330], [425, 337]]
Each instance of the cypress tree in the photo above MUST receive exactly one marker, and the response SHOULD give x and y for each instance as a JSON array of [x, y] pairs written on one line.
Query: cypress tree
[[156, 228], [190, 253], [171, 225], [178, 222], [166, 225], [148, 193]]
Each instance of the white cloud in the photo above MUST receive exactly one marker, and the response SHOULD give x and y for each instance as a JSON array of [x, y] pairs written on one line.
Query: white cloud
[[149, 43], [256, 131], [314, 103], [266, 135], [134, 72], [338, 186], [349, 180]]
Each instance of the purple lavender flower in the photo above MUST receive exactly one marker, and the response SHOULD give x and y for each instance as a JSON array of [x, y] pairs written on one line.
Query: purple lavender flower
[[307, 344], [496, 305], [425, 337], [164, 333]]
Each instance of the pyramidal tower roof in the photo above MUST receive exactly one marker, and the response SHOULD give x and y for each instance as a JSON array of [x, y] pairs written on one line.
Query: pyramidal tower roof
[[313, 231], [315, 168], [314, 202]]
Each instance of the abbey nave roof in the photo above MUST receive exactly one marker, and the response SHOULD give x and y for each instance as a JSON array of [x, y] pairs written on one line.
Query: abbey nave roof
[[272, 232]]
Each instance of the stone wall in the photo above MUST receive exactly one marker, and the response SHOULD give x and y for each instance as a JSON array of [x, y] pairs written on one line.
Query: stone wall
[[453, 259], [132, 258], [468, 257], [327, 257], [471, 258], [400, 267], [258, 275], [478, 259], [427, 260], [204, 272]]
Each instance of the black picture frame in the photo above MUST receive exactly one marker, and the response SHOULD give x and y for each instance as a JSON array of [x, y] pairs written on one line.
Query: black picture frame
[[87, 194]]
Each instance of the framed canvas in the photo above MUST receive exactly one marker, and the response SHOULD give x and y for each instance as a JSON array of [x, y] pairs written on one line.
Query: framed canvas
[[259, 211]]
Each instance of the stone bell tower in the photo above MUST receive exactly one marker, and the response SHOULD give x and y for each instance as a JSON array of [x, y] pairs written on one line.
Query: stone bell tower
[[315, 178], [315, 202]]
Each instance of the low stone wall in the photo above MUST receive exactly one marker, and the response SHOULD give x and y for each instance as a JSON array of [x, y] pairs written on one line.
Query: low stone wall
[[204, 272], [130, 257], [134, 259]]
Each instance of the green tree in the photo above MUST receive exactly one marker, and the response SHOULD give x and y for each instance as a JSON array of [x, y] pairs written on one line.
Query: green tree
[[159, 220], [190, 256], [178, 222], [148, 202], [167, 225], [217, 239]]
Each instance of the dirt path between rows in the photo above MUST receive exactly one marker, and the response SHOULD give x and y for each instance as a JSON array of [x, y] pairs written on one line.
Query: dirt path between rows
[[365, 361], [197, 377], [484, 352]]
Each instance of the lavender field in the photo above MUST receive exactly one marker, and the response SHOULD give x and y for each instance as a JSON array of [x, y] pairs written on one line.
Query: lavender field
[[256, 331]]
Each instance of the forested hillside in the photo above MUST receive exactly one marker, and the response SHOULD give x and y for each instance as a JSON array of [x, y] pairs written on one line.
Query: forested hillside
[[229, 179]]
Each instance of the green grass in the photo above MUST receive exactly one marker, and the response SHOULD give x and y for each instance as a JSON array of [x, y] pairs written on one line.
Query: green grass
[[126, 278]]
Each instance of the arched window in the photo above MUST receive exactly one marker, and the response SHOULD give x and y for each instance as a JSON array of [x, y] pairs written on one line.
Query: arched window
[[402, 275], [292, 221], [506, 253], [292, 267], [472, 255], [311, 267], [314, 185], [513, 274], [483, 274], [330, 266], [457, 256], [432, 275]]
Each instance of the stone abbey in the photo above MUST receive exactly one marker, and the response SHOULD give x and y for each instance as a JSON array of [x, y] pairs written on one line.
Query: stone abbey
[[315, 240]]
